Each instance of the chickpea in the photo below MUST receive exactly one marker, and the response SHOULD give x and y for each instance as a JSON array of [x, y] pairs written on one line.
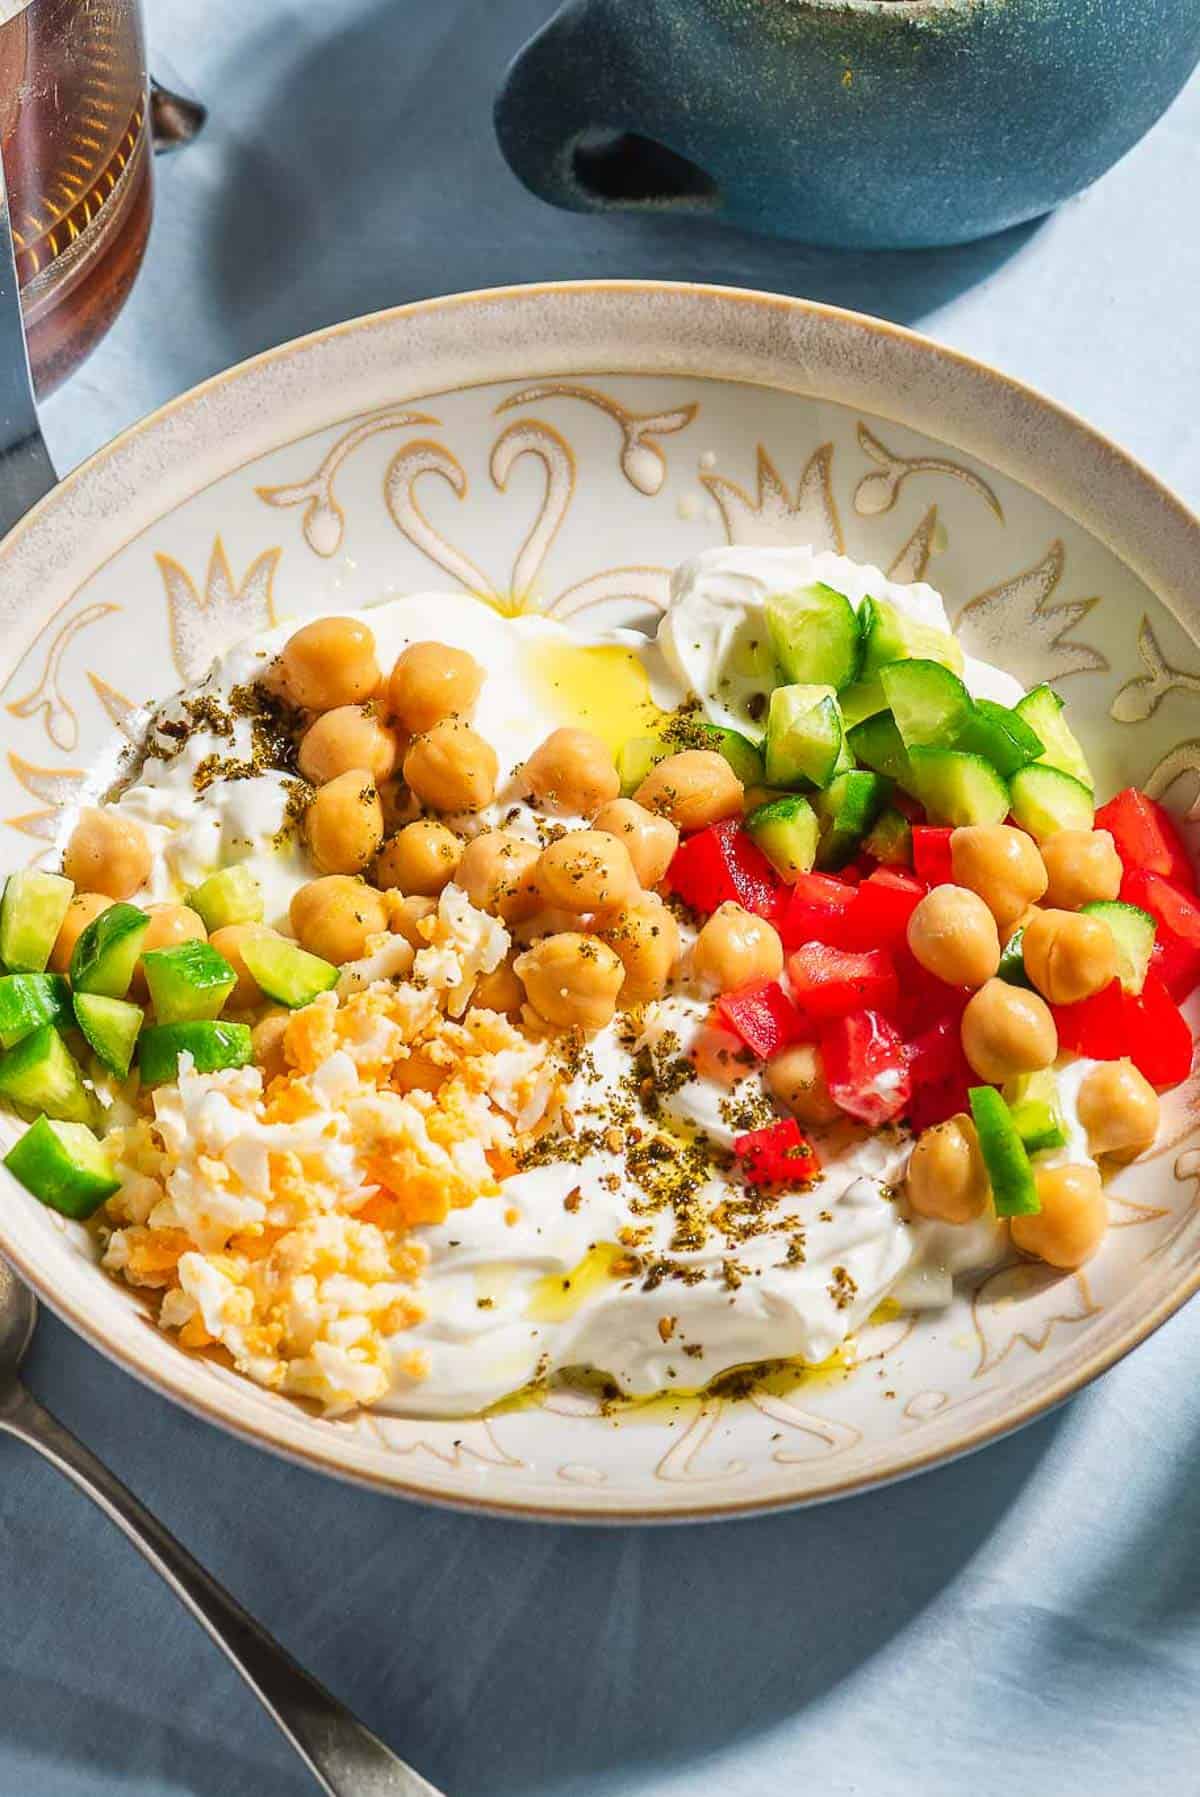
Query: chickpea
[[451, 768], [1068, 956], [333, 917], [646, 937], [421, 858], [107, 853], [1007, 1030], [266, 1042], [500, 990], [651, 840], [694, 788], [80, 912], [1082, 867], [796, 1077], [169, 926], [328, 663], [572, 773], [399, 806], [946, 1176], [586, 870], [1073, 1219], [1118, 1107], [736, 948], [1001, 864], [228, 942], [406, 915], [550, 920], [953, 935], [432, 681], [497, 874], [572, 980], [350, 736], [344, 823]]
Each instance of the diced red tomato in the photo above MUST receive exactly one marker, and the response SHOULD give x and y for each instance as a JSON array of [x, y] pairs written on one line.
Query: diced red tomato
[[1147, 837], [924, 999], [931, 854], [908, 807], [1096, 1026], [1177, 912], [1159, 1040], [1177, 966], [831, 982], [882, 907], [941, 1074], [723, 863], [763, 1017], [816, 912], [780, 1154], [866, 1067]]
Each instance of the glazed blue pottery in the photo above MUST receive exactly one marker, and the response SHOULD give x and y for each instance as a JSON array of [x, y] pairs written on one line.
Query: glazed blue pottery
[[852, 123]]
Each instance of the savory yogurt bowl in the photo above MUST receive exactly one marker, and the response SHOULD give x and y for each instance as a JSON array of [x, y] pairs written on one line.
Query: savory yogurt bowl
[[880, 1403]]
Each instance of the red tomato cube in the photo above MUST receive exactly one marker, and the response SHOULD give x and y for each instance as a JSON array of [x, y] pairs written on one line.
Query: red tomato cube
[[1147, 837], [931, 854], [866, 1067]]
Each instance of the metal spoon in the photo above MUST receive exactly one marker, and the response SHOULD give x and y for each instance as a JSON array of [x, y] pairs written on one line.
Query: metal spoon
[[345, 1758]]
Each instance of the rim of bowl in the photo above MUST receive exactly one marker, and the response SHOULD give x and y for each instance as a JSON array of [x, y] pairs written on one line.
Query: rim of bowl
[[1022, 434]]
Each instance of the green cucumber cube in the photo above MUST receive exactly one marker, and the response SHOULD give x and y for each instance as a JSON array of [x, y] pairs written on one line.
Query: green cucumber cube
[[27, 1000], [930, 704], [956, 788], [1042, 711], [1033, 1102], [41, 1074], [188, 982], [891, 635], [64, 1166], [1014, 1189], [1012, 961], [231, 896], [877, 744], [285, 971], [845, 811], [111, 1027], [1133, 931], [1045, 800], [889, 840], [862, 700], [814, 633], [107, 951], [786, 830], [1001, 736], [636, 756], [31, 915], [805, 739], [213, 1046]]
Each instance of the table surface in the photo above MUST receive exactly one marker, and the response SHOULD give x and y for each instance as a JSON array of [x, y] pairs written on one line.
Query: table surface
[[1025, 1620]]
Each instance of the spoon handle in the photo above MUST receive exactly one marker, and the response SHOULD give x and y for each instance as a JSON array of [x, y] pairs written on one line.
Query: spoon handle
[[345, 1758]]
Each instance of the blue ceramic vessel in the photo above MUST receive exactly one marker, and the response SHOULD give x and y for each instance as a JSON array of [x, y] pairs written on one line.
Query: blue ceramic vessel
[[853, 123]]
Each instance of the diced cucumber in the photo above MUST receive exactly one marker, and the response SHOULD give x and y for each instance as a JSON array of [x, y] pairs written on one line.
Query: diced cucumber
[[1012, 961], [786, 830], [639, 754], [877, 744], [64, 1166], [212, 1046], [285, 971], [1001, 736], [814, 633], [1042, 710], [1045, 801], [805, 740], [929, 703], [107, 951], [1133, 931], [862, 700], [31, 915], [741, 754], [27, 1000], [956, 788], [636, 756], [845, 811], [1014, 1190], [188, 982], [111, 1026], [41, 1074], [891, 635], [233, 895], [889, 840], [1036, 1112]]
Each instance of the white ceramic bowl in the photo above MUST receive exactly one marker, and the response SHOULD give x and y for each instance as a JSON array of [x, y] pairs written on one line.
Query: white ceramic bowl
[[562, 447]]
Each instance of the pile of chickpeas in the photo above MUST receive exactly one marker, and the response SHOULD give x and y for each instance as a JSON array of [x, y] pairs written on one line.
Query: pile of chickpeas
[[400, 772], [1004, 883]]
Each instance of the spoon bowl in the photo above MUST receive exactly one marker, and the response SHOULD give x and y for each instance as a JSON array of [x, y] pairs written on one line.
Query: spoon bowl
[[18, 1319]]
